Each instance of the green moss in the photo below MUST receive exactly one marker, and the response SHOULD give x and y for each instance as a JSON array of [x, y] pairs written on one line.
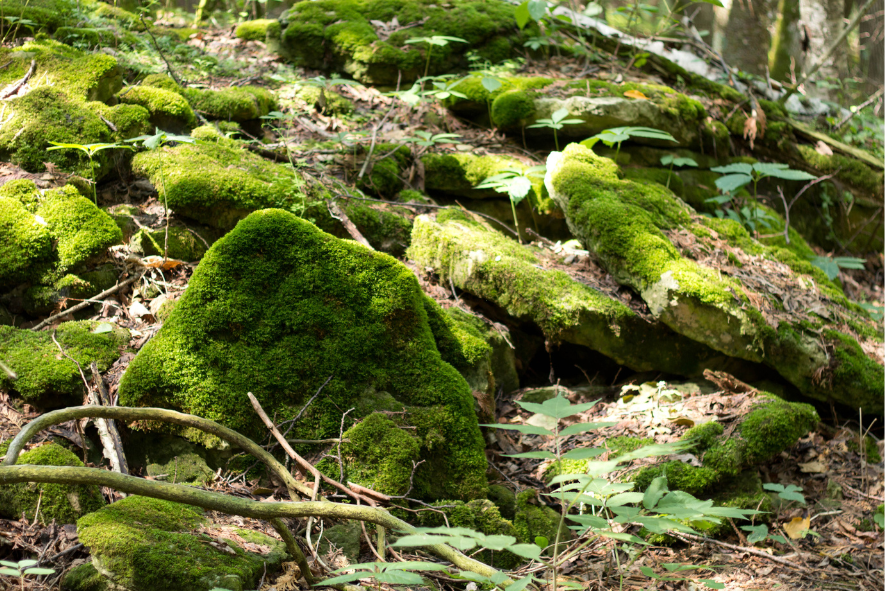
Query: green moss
[[152, 545], [871, 451], [534, 519], [383, 179], [691, 479], [84, 578], [854, 367], [657, 175], [91, 37], [40, 300], [505, 499], [25, 244], [479, 515], [48, 14], [216, 182], [387, 229], [61, 502], [83, 230], [850, 170], [168, 458], [380, 455], [703, 436], [81, 75], [275, 308], [502, 271], [168, 109], [344, 536], [44, 377], [329, 101], [113, 12], [22, 190], [257, 30], [163, 81], [234, 103], [182, 243], [338, 36]]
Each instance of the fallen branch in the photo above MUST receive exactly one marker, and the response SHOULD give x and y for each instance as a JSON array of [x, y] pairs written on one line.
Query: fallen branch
[[86, 303], [336, 212], [16, 86]]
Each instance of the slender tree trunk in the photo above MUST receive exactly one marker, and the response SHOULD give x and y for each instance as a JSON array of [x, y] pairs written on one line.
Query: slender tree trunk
[[872, 48], [747, 37], [787, 46], [824, 22]]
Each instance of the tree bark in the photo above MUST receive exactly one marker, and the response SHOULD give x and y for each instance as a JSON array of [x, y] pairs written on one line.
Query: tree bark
[[823, 20], [872, 47], [747, 35]]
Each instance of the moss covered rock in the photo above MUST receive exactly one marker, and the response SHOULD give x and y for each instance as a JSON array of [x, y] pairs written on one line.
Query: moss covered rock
[[327, 101], [772, 426], [43, 298], [47, 14], [181, 243], [380, 455], [82, 230], [144, 544], [479, 515], [629, 227], [61, 502], [483, 262], [169, 458], [25, 243], [169, 110], [339, 36], [46, 378], [235, 103], [276, 307], [216, 182], [533, 519], [258, 30]]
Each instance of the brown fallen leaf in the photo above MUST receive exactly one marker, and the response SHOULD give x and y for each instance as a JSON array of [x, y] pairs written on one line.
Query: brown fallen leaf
[[814, 467]]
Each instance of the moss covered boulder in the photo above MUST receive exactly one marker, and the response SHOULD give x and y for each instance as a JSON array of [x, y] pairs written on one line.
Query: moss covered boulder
[[47, 14], [217, 183], [25, 243], [235, 103], [258, 30], [534, 519], [61, 502], [344, 36], [648, 240], [45, 377], [276, 307], [771, 426], [489, 265], [169, 110], [180, 243], [143, 544]]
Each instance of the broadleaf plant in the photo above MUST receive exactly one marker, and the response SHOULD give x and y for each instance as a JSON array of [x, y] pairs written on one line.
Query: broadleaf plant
[[556, 121], [90, 150], [515, 183]]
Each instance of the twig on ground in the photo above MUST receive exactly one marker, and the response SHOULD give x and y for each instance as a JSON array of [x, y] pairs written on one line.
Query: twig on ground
[[82, 305]]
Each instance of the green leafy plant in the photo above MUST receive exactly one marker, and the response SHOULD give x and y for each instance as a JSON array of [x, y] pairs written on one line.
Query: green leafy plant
[[22, 569], [556, 121], [155, 142], [442, 88], [326, 85], [514, 182], [832, 265], [530, 10], [426, 139], [610, 504], [671, 160], [439, 41], [90, 150], [617, 135], [735, 176]]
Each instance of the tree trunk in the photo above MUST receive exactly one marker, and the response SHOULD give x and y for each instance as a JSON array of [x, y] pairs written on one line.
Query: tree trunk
[[872, 48], [823, 20], [747, 35], [788, 42]]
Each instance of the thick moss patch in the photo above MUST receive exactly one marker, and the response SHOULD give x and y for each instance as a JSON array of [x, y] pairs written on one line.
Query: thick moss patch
[[45, 377], [236, 103], [216, 182], [258, 30], [338, 36], [61, 502], [25, 243], [83, 230], [276, 307], [625, 224], [380, 455], [147, 544], [169, 110], [483, 262]]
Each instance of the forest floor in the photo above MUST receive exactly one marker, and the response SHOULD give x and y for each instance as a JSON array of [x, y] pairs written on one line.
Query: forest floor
[[840, 487]]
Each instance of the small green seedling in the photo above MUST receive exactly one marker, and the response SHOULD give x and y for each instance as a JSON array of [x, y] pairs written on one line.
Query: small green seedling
[[22, 569], [326, 84], [90, 150], [442, 89], [428, 140], [438, 40], [671, 161], [516, 183], [530, 9], [735, 176], [617, 135], [557, 121], [389, 573]]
